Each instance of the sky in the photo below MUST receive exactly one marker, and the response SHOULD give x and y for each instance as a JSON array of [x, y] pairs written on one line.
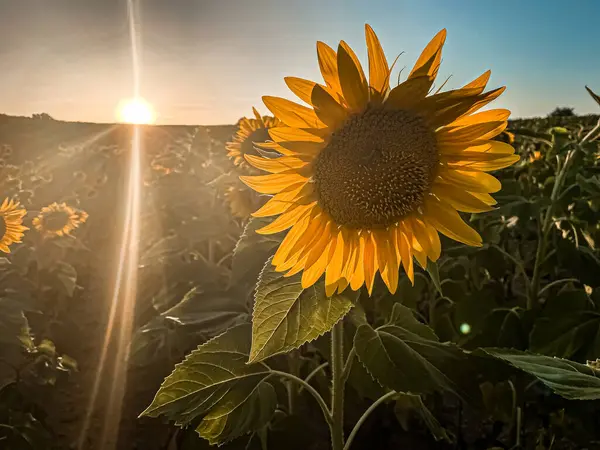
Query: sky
[[209, 61]]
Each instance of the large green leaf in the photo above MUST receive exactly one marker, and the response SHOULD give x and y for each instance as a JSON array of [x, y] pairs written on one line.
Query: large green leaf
[[287, 316], [405, 355], [215, 381], [409, 404], [566, 378]]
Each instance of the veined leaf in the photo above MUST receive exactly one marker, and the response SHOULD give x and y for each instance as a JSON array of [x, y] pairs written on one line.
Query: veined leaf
[[215, 381], [407, 404], [287, 316], [571, 380], [404, 356]]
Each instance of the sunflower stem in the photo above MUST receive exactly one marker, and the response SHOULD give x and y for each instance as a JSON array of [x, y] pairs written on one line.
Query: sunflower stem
[[546, 226], [337, 391]]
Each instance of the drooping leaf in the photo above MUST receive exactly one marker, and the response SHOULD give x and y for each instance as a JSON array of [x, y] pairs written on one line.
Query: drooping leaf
[[571, 380], [287, 316], [409, 404], [215, 382], [403, 356]]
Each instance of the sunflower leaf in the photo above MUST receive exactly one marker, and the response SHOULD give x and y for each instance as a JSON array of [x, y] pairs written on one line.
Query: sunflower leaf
[[403, 355], [286, 315], [432, 270], [571, 380], [214, 381]]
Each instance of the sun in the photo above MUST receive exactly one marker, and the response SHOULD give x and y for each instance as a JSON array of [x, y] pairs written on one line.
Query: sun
[[136, 111]]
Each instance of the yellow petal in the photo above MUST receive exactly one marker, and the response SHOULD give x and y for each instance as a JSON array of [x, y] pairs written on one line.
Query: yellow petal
[[279, 134], [284, 200], [491, 115], [409, 93], [403, 241], [458, 148], [313, 272], [327, 109], [370, 260], [328, 66], [480, 82], [290, 239], [334, 268], [470, 133], [353, 85], [463, 107], [470, 180], [459, 199], [378, 65], [493, 162], [320, 245], [305, 243], [301, 87], [358, 277], [275, 165], [387, 247], [287, 219], [429, 61], [447, 221], [292, 114], [258, 117], [485, 198], [272, 184]]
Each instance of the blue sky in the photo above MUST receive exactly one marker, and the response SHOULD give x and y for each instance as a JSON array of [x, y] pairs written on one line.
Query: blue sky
[[210, 61]]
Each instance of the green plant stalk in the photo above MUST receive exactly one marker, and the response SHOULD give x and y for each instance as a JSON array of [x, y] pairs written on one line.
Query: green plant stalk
[[365, 415], [292, 388], [337, 391], [545, 230]]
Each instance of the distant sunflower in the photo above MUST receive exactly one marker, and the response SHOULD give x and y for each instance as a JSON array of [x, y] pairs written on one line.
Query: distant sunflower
[[536, 155], [249, 131], [58, 219], [368, 176], [11, 224], [242, 201]]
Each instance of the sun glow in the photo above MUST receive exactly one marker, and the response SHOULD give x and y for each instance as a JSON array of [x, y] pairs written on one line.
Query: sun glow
[[136, 111]]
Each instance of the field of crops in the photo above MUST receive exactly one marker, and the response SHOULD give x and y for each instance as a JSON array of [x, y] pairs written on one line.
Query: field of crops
[[467, 321]]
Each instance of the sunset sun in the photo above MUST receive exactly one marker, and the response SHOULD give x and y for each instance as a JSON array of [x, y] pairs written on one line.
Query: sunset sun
[[136, 111]]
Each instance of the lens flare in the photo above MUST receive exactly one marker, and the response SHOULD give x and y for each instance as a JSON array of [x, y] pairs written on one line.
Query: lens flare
[[136, 111]]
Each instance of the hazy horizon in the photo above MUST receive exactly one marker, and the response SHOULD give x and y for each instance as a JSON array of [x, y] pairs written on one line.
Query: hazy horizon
[[209, 62]]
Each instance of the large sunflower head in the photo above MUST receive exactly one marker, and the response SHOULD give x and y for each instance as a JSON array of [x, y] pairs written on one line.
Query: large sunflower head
[[11, 224], [249, 131], [368, 176], [58, 219]]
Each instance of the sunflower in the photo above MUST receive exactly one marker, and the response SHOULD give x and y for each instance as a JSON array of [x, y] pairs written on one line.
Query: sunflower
[[242, 201], [249, 131], [369, 176], [535, 156], [58, 219], [11, 228]]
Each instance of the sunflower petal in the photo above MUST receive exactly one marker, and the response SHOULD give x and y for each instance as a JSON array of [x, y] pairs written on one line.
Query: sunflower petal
[[284, 200], [448, 222], [403, 239], [279, 134], [470, 180], [292, 114], [352, 82], [274, 183], [275, 165], [329, 67], [429, 61], [357, 279], [287, 219], [378, 65], [327, 109], [459, 199], [480, 82], [409, 93]]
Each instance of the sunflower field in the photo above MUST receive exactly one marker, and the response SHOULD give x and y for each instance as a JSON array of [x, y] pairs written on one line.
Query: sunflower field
[[384, 266]]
